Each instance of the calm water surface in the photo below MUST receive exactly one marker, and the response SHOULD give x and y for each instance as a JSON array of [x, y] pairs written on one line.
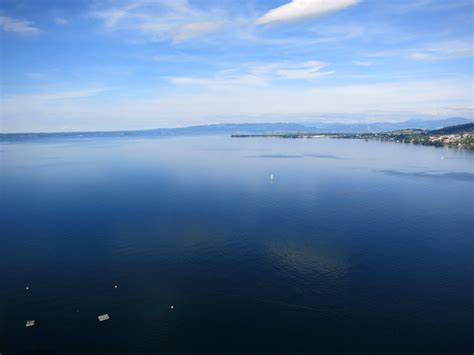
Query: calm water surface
[[354, 247]]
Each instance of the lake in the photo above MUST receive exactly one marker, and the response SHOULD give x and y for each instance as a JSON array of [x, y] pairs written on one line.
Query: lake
[[190, 247]]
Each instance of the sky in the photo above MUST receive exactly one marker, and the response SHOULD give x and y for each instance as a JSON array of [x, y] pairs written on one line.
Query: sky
[[84, 65]]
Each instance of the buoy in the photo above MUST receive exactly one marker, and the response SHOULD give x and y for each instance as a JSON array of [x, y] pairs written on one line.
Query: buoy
[[103, 317], [172, 307], [115, 286], [27, 288]]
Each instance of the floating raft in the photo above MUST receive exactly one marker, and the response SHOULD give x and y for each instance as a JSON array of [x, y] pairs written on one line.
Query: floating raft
[[103, 317]]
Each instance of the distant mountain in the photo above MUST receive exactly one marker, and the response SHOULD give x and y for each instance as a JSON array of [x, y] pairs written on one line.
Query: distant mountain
[[259, 128], [226, 128], [236, 128]]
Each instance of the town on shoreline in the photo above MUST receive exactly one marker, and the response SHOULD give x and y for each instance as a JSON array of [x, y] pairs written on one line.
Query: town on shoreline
[[459, 136]]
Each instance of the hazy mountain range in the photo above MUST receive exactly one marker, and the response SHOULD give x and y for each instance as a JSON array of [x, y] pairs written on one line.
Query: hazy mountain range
[[249, 128]]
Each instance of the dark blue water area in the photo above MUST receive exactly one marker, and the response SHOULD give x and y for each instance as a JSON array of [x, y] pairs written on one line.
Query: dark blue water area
[[354, 247]]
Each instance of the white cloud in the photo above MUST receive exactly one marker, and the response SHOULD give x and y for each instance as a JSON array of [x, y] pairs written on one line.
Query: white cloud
[[444, 50], [404, 96], [60, 21], [408, 6], [22, 27], [338, 33], [196, 29], [37, 75], [80, 109], [254, 104], [220, 81], [400, 7], [48, 110], [256, 75], [298, 10], [161, 20], [453, 49], [362, 63], [42, 98], [288, 70]]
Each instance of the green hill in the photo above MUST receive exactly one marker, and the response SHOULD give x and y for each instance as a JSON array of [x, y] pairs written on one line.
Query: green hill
[[458, 129]]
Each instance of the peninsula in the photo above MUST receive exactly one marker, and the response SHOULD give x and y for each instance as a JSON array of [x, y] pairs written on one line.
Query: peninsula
[[459, 136]]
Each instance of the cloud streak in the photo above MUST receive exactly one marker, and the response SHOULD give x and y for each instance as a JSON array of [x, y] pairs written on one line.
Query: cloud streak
[[257, 75], [18, 26], [298, 10], [444, 50], [61, 21], [196, 29], [161, 20], [42, 98]]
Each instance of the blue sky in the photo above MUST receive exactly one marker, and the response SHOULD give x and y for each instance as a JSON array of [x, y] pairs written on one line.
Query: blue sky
[[122, 64]]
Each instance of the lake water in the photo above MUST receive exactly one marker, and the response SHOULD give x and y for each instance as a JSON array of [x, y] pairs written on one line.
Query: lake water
[[354, 248]]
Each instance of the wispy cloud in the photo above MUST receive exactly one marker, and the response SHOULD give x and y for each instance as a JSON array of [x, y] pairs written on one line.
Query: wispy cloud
[[255, 75], [308, 70], [36, 76], [444, 50], [54, 95], [362, 63], [338, 33], [60, 21], [80, 109], [18, 26], [427, 5], [196, 29], [414, 5], [453, 49], [27, 112], [298, 10], [161, 20]]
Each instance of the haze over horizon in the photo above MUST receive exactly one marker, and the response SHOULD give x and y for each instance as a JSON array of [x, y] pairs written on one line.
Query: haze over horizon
[[121, 64]]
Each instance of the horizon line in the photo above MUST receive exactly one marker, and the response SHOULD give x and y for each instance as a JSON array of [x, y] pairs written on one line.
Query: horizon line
[[226, 123]]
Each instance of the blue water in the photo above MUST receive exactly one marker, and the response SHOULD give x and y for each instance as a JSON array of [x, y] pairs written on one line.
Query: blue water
[[354, 248]]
